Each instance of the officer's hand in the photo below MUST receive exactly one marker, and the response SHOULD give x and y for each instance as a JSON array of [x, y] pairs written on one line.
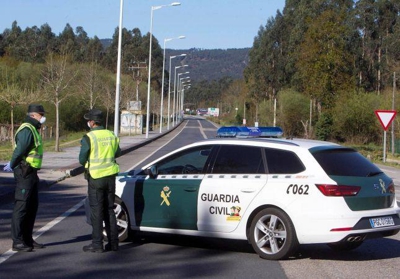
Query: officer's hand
[[7, 167]]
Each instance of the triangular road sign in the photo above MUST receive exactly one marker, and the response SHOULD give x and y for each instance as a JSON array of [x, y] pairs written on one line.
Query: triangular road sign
[[385, 117]]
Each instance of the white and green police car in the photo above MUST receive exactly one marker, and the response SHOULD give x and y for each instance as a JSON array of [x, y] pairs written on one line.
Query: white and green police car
[[276, 193]]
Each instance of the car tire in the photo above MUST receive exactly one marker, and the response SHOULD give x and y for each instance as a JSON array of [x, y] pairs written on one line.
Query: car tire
[[345, 246], [122, 216], [272, 234]]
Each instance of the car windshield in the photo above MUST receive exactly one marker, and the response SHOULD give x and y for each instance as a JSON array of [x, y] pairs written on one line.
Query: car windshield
[[345, 162], [189, 161]]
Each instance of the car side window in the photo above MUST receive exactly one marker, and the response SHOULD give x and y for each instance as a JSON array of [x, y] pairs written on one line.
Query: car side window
[[190, 161], [239, 159], [282, 161]]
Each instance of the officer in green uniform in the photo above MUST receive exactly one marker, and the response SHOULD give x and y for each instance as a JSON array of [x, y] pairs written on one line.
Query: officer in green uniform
[[99, 148], [26, 160]]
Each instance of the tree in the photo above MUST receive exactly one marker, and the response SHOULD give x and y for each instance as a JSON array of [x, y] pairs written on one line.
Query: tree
[[90, 89], [324, 64], [12, 94], [265, 74], [57, 77]]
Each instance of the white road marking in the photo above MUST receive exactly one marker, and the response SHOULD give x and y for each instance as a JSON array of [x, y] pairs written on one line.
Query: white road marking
[[201, 130], [5, 256]]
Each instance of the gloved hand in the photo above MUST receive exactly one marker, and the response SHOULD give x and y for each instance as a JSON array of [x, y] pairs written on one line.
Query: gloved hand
[[7, 167]]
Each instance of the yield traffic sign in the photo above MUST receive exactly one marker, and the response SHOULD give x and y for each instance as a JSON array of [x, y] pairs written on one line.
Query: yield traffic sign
[[385, 117]]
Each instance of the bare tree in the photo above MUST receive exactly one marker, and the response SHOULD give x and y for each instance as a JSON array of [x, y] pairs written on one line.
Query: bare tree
[[57, 76], [91, 85], [107, 94], [11, 94]]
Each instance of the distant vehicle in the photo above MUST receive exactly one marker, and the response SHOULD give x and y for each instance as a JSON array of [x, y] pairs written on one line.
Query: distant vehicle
[[202, 111], [249, 132], [275, 193]]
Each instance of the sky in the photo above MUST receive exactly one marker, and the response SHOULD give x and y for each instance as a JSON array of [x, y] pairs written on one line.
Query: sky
[[206, 24]]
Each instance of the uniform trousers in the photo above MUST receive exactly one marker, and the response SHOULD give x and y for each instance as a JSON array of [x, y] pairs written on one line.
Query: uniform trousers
[[101, 194], [26, 204]]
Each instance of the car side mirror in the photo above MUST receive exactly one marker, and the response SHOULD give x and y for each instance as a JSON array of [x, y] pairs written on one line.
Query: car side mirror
[[152, 171]]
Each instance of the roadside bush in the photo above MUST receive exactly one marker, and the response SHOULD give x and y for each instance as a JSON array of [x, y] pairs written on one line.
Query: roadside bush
[[293, 113], [354, 119], [323, 127]]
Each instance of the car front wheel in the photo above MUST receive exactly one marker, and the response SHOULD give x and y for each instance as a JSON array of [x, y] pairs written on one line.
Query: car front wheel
[[272, 234]]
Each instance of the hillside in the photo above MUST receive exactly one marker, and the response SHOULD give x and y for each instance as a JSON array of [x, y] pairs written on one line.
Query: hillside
[[208, 64], [213, 64]]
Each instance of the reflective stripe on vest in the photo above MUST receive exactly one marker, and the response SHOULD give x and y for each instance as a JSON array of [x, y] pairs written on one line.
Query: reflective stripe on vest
[[35, 155], [103, 146]]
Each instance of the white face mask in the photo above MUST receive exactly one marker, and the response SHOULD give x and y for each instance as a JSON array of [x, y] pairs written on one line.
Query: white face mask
[[89, 125], [42, 120]]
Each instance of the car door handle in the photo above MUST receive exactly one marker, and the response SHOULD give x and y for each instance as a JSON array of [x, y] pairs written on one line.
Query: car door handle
[[190, 189], [248, 190]]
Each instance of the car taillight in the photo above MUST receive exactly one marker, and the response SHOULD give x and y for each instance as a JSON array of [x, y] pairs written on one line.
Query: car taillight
[[338, 190], [391, 188]]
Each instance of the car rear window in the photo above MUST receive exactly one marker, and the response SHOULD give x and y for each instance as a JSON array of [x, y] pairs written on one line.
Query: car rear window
[[233, 159], [283, 162], [345, 162]]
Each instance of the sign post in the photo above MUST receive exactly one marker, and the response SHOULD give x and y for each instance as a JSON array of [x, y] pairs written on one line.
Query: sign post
[[385, 118]]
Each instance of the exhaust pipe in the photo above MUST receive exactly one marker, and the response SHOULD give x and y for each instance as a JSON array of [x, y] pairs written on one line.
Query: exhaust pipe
[[355, 238]]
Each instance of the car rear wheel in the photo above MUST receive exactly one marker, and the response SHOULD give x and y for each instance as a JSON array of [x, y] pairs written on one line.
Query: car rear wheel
[[122, 217], [272, 234]]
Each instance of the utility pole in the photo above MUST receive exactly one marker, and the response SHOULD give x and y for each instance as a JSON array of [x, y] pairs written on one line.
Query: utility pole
[[393, 106], [135, 68]]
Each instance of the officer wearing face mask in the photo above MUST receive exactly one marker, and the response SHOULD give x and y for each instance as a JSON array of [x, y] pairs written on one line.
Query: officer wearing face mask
[[99, 148], [26, 160]]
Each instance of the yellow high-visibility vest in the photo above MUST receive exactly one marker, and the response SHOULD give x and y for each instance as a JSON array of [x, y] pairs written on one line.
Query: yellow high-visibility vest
[[35, 156], [103, 146]]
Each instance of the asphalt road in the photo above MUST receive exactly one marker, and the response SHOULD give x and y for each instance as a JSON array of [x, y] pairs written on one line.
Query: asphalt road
[[61, 225]]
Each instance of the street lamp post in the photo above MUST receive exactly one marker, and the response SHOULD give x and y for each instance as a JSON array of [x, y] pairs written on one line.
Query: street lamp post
[[153, 8], [117, 86], [173, 109], [185, 84], [162, 82], [177, 96], [182, 82], [169, 85]]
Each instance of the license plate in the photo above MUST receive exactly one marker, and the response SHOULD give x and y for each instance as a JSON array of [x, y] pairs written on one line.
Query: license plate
[[381, 222]]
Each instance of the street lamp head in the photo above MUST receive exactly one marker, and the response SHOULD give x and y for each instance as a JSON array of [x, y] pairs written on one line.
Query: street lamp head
[[153, 8], [172, 57], [170, 39], [177, 67]]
